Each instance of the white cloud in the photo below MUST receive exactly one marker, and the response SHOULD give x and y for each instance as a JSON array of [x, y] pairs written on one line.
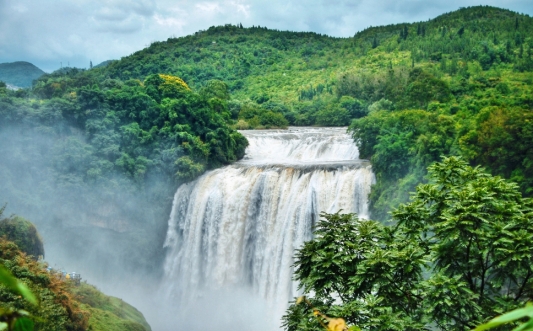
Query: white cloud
[[20, 8], [169, 21], [208, 7], [241, 7]]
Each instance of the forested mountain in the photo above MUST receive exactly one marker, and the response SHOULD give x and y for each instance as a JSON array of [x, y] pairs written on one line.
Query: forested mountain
[[304, 75], [20, 74], [119, 138], [459, 84]]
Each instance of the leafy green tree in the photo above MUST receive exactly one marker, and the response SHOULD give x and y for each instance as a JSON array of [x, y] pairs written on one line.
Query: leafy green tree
[[423, 87], [457, 254], [356, 108]]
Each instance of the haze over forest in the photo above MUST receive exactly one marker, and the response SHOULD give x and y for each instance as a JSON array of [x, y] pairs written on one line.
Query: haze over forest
[[98, 157]]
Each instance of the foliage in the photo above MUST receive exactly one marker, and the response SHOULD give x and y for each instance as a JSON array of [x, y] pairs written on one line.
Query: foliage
[[12, 319], [108, 313], [121, 147], [57, 309], [400, 145], [407, 64], [23, 233], [456, 254], [509, 317], [43, 301]]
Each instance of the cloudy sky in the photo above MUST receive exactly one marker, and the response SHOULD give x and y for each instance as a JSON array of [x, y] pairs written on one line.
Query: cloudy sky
[[50, 32]]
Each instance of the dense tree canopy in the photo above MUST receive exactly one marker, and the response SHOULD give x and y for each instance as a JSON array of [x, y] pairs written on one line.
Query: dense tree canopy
[[76, 145], [457, 254]]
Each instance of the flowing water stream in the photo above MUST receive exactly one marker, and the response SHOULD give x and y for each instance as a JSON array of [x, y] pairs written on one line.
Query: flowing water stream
[[233, 232]]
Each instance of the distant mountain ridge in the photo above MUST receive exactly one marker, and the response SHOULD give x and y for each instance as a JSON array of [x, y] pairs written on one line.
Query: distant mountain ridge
[[20, 73], [288, 67]]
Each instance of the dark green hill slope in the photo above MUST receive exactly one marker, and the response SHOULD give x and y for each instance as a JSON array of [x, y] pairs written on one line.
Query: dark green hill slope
[[20, 73]]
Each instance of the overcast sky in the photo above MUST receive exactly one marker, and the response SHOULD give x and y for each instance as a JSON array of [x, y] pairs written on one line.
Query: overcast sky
[[48, 32]]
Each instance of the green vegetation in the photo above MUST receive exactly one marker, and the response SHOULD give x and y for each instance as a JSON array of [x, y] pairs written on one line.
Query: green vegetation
[[480, 123], [510, 317], [23, 233], [110, 151], [57, 310], [108, 313], [32, 298], [13, 319], [122, 136], [457, 254], [451, 78], [462, 87], [304, 76], [20, 74]]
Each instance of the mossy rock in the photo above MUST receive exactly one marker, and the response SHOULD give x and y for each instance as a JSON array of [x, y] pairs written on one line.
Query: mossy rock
[[23, 233]]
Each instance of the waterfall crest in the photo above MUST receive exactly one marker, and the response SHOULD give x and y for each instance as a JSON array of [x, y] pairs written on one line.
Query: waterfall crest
[[239, 226]]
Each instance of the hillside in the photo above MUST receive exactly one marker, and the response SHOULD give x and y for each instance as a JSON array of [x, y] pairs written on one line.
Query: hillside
[[19, 74], [112, 143], [305, 71], [63, 303], [466, 71]]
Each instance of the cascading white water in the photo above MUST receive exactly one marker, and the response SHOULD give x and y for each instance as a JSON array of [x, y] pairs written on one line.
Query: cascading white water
[[238, 227]]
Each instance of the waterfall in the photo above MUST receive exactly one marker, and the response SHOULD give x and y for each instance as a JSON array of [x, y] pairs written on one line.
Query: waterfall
[[236, 228]]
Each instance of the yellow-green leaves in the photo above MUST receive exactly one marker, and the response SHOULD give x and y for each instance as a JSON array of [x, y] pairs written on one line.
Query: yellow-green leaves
[[333, 324], [337, 324]]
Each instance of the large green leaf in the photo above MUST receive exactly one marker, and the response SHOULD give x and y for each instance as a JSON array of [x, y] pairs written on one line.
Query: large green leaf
[[8, 280], [23, 324], [511, 316]]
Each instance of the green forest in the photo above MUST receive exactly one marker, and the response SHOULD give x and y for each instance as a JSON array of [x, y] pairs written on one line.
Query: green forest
[[456, 90], [459, 84]]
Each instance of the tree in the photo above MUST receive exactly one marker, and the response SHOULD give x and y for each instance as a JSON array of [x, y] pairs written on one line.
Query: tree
[[423, 87], [456, 255], [375, 42]]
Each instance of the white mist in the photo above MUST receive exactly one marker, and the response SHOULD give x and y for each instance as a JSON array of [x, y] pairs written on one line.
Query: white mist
[[233, 232]]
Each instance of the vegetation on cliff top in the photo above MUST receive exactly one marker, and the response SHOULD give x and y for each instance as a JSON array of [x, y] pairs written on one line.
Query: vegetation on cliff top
[[62, 305], [23, 233]]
